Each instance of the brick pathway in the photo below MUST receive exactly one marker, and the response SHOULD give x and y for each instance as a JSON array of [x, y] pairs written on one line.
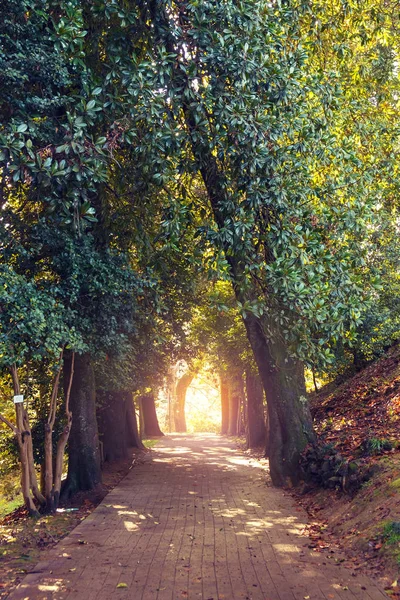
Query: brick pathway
[[198, 521]]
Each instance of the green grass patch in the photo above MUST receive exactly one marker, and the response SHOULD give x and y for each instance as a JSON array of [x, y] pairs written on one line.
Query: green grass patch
[[373, 446], [391, 532], [391, 536], [7, 506], [395, 484], [150, 443]]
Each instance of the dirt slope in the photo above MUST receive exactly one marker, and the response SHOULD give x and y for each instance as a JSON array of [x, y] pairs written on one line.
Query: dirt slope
[[366, 407], [361, 418]]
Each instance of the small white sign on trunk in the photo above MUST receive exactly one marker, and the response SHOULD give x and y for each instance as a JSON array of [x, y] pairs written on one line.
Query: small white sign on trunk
[[18, 399]]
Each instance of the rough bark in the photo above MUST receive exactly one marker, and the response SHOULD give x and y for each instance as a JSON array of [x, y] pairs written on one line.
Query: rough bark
[[84, 456], [23, 435], [179, 402], [267, 436], [151, 427], [134, 440], [241, 420], [256, 427], [112, 425], [235, 393], [224, 391], [283, 377], [290, 423], [64, 437], [116, 420]]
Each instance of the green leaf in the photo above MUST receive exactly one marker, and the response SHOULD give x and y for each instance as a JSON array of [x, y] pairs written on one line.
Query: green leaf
[[61, 149]]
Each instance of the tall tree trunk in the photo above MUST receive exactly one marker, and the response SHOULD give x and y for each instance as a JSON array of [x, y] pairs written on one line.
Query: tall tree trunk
[[241, 411], [134, 440], [48, 461], [64, 436], [84, 471], [59, 463], [315, 382], [256, 427], [32, 469], [179, 403], [118, 428], [112, 422], [151, 427], [235, 395], [290, 423], [170, 390], [25, 479], [224, 392], [267, 436]]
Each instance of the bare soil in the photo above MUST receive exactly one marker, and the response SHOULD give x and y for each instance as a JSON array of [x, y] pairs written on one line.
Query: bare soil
[[359, 417]]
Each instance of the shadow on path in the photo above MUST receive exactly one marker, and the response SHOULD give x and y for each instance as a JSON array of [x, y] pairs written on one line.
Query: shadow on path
[[197, 521]]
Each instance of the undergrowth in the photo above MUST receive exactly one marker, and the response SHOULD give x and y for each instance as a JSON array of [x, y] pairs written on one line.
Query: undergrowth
[[391, 537]]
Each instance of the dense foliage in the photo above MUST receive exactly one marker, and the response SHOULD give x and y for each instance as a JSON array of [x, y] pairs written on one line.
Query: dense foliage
[[191, 179]]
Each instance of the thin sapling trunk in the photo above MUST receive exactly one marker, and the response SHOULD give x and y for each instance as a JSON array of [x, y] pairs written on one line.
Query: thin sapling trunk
[[24, 441], [62, 440]]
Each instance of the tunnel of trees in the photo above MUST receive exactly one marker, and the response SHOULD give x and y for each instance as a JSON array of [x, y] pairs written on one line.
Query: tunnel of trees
[[188, 181]]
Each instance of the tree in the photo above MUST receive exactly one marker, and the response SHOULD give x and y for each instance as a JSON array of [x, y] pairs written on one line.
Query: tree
[[256, 430], [103, 303], [150, 428], [259, 123], [49, 151], [33, 329], [144, 145], [219, 331]]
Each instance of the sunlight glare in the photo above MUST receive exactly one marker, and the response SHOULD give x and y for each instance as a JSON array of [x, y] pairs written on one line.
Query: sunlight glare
[[203, 404]]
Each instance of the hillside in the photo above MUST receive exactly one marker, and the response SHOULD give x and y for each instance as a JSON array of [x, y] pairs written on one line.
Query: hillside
[[361, 418], [362, 414]]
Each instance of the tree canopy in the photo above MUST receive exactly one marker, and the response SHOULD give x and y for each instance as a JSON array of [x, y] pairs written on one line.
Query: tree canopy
[[184, 177]]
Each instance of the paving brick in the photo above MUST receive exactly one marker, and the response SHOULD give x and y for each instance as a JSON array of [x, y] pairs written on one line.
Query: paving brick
[[196, 522]]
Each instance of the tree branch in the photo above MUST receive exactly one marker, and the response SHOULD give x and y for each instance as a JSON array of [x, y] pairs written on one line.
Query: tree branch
[[71, 376], [10, 425], [54, 393]]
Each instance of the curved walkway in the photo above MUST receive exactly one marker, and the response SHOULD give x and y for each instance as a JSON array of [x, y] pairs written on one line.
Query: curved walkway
[[197, 522]]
